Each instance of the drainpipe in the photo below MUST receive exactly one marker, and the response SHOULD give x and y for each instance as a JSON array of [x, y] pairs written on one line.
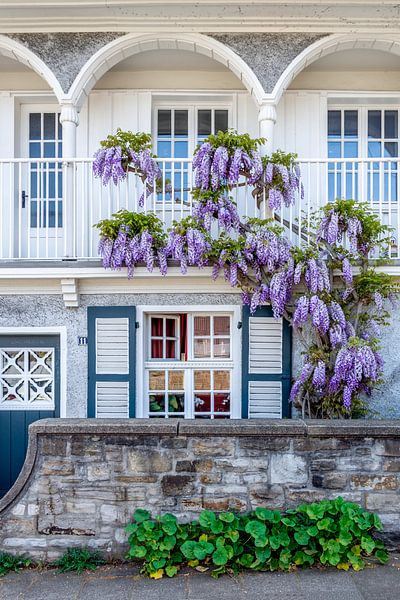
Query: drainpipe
[[266, 121], [69, 120]]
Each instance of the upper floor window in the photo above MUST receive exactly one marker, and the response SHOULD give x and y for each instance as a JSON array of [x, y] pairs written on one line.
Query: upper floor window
[[363, 133]]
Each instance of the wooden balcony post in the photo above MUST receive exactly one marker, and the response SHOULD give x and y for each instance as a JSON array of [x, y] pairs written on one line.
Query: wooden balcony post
[[69, 120], [266, 121]]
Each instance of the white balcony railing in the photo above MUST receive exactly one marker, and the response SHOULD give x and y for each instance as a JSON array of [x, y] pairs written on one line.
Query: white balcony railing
[[48, 206]]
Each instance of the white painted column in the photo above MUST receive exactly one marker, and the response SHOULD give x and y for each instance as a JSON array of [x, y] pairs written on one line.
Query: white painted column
[[69, 120], [266, 121]]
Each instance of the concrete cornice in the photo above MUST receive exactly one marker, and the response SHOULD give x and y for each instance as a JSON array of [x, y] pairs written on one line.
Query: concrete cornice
[[203, 16]]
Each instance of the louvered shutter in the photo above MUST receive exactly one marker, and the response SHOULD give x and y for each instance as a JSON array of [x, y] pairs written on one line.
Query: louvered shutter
[[266, 368], [111, 349]]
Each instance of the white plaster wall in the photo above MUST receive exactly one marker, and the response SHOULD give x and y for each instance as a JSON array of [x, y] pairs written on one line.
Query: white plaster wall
[[166, 79], [347, 80]]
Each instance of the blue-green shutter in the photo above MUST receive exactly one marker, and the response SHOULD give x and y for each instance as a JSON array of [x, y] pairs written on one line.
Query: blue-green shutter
[[111, 361], [266, 368]]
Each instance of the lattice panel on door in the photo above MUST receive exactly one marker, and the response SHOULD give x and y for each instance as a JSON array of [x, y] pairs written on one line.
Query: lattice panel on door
[[27, 379]]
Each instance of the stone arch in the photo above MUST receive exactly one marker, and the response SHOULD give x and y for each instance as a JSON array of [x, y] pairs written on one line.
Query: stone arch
[[17, 51], [131, 44], [329, 45]]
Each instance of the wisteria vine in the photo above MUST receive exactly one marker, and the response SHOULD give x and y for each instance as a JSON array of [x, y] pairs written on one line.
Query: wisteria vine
[[328, 290]]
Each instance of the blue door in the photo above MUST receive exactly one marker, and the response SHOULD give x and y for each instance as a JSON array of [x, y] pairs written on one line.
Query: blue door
[[29, 390]]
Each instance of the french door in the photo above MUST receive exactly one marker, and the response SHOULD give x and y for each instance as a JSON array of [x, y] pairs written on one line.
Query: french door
[[40, 183]]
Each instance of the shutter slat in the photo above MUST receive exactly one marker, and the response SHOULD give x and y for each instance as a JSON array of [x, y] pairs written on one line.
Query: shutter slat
[[265, 400], [265, 345], [112, 399], [112, 346]]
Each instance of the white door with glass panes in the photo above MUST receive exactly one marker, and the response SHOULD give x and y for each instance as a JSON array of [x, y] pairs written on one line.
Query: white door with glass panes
[[177, 131], [40, 184], [191, 365], [368, 138]]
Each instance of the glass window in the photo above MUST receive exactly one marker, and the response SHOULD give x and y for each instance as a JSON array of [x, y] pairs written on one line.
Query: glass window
[[180, 380], [45, 178]]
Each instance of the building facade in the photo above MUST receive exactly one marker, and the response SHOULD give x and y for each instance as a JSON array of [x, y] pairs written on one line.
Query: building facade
[[321, 80]]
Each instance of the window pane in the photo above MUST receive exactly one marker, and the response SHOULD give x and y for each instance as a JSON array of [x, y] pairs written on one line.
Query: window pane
[[374, 149], [175, 380], [49, 150], [202, 380], [201, 326], [350, 149], [334, 123], [222, 403], [391, 123], [157, 380], [202, 348], [34, 150], [49, 126], [221, 121], [176, 403], [204, 122], [374, 123], [157, 349], [164, 149], [170, 327], [202, 402], [170, 347], [156, 326], [222, 380], [391, 149], [351, 123], [181, 122], [35, 126], [156, 403], [181, 150], [164, 122], [222, 325], [334, 150], [221, 348]]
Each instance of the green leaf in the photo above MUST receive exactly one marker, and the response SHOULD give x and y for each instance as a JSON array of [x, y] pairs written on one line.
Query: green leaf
[[207, 518], [202, 549], [367, 544], [246, 560], [138, 551], [302, 538], [263, 554], [141, 515], [382, 556], [227, 517], [171, 570], [220, 556], [256, 529], [217, 526], [187, 549]]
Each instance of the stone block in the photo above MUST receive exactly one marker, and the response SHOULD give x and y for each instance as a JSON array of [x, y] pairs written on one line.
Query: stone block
[[384, 482], [391, 465], [387, 502], [267, 495], [323, 464], [356, 463], [210, 478], [257, 445], [54, 446], [191, 504], [57, 467], [98, 472], [288, 468], [110, 513], [223, 503], [148, 461], [177, 485], [33, 509], [213, 446], [333, 481], [18, 510], [389, 447], [81, 507], [184, 466]]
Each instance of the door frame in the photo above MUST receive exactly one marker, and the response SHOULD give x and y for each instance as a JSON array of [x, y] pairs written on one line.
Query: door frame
[[62, 333]]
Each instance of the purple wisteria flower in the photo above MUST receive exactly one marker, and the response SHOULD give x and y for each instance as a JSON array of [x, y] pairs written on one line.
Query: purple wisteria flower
[[355, 364]]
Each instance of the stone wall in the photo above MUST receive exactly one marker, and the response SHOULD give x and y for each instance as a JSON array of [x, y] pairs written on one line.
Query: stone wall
[[82, 479]]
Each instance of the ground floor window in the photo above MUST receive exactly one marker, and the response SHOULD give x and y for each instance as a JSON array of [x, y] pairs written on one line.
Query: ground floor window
[[190, 364]]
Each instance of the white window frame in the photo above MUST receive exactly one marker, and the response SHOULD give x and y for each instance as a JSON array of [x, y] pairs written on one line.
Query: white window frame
[[192, 106], [362, 137], [142, 353]]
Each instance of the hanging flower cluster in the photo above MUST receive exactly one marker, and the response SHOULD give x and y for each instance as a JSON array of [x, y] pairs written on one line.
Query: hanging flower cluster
[[127, 151], [336, 314], [129, 239]]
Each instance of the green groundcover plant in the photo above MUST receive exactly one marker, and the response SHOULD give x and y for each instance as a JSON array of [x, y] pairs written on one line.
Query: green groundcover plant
[[331, 533], [79, 560], [9, 562]]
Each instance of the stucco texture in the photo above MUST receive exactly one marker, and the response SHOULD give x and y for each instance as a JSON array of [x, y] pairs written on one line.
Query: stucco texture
[[49, 311], [268, 54], [65, 53]]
